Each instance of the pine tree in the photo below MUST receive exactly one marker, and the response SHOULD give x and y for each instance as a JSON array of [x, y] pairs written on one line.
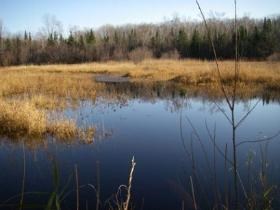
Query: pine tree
[[29, 37], [50, 41], [90, 37], [195, 45], [156, 45], [71, 40], [25, 36], [81, 42], [132, 40], [182, 43]]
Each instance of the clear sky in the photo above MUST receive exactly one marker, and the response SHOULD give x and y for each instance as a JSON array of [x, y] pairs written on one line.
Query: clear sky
[[19, 15]]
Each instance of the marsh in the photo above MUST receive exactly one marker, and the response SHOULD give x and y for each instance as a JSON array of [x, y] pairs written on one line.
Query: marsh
[[99, 126]]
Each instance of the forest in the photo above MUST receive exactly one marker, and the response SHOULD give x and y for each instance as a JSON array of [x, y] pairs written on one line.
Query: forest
[[258, 39]]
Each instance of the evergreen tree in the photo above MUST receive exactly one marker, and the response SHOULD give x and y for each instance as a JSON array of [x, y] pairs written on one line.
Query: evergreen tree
[[195, 45], [50, 40], [29, 37], [90, 37], [71, 40], [243, 41], [132, 40], [182, 43], [267, 43], [156, 45], [25, 36], [81, 42]]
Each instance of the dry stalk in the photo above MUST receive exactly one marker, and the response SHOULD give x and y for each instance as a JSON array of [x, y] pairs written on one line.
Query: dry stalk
[[126, 204]]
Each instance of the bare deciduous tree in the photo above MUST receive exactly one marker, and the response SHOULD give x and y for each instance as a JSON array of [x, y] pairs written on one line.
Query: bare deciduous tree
[[51, 25]]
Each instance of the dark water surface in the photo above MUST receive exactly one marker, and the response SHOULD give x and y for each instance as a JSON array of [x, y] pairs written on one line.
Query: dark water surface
[[157, 132]]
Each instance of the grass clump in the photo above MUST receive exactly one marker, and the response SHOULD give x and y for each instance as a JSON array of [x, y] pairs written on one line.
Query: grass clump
[[21, 119], [50, 103], [66, 129], [63, 129]]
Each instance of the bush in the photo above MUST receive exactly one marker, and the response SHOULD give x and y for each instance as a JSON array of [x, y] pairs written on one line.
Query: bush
[[174, 54], [140, 54], [274, 57]]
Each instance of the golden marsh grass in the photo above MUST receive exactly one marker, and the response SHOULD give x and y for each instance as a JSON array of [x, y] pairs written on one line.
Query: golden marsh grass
[[18, 118], [28, 93], [23, 119], [163, 70]]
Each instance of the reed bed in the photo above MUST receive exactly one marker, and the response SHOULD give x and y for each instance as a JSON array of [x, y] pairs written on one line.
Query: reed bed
[[27, 98], [22, 119], [29, 93], [196, 71]]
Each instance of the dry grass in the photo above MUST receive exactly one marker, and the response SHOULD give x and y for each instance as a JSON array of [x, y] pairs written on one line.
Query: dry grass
[[20, 119], [66, 130], [59, 85], [47, 102], [63, 129], [194, 71], [28, 93], [27, 97]]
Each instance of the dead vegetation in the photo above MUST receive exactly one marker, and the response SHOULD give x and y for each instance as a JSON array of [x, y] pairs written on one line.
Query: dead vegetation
[[190, 71], [29, 93], [27, 98], [22, 119]]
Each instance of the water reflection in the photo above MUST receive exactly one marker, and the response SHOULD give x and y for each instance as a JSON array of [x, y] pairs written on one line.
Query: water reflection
[[164, 127]]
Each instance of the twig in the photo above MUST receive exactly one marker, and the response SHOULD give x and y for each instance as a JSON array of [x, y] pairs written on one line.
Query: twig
[[247, 114], [259, 140], [226, 181], [215, 175], [77, 186], [193, 195], [236, 68], [215, 55], [190, 155], [200, 141], [23, 178], [98, 186], [182, 136], [223, 112], [214, 143], [126, 205]]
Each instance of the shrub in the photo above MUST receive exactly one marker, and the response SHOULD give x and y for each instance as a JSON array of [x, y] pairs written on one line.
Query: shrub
[[140, 54], [274, 57]]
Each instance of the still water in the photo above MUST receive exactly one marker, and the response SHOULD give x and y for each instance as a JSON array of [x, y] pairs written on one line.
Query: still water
[[160, 133]]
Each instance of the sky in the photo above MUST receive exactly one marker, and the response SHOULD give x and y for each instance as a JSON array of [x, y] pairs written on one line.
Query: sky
[[20, 15]]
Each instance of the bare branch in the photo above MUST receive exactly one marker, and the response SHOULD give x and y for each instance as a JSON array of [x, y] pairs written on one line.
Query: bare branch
[[215, 55], [223, 112], [259, 140], [247, 114], [214, 143]]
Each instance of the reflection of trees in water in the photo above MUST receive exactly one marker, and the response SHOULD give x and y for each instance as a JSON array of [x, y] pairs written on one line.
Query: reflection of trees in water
[[176, 104], [152, 91], [115, 96], [176, 96]]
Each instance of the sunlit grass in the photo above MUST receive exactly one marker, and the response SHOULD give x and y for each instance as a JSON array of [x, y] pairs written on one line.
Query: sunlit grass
[[18, 119], [162, 70], [76, 80], [29, 93], [47, 102], [23, 119]]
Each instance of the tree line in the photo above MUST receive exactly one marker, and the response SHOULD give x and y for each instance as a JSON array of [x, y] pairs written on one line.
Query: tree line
[[257, 39]]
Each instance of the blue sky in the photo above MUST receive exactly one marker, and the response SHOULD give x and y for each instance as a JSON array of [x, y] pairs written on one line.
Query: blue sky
[[19, 15]]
